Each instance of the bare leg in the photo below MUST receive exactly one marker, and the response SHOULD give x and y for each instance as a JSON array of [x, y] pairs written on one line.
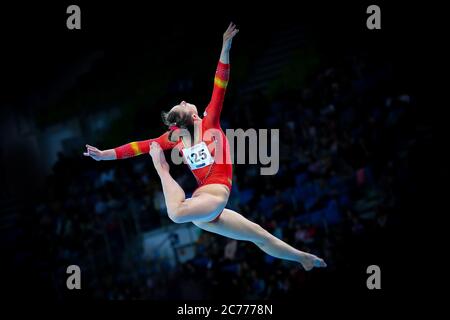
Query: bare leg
[[233, 225], [173, 193], [204, 207]]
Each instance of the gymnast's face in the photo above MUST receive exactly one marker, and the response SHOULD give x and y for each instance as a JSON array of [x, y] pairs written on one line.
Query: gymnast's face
[[188, 108]]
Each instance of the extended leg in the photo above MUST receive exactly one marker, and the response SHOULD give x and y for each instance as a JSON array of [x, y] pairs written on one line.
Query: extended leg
[[233, 225]]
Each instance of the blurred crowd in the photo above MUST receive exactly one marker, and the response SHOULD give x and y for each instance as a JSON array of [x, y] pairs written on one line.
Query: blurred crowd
[[344, 139]]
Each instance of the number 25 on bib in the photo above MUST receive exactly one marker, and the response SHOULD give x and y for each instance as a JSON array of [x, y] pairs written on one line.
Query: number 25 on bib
[[198, 156]]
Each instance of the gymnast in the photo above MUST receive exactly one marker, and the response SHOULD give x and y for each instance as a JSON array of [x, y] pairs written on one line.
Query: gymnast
[[208, 158]]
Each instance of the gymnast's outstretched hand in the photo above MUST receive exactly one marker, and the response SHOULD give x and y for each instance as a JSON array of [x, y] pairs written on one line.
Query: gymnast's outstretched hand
[[99, 155]]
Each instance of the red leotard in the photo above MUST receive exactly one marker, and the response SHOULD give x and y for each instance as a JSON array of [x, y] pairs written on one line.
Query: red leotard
[[221, 170]]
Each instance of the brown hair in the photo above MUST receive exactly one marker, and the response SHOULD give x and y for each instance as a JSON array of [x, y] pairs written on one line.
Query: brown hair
[[181, 120]]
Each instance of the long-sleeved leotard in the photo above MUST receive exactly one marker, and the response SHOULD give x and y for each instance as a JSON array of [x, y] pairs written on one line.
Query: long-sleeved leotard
[[136, 148], [220, 170]]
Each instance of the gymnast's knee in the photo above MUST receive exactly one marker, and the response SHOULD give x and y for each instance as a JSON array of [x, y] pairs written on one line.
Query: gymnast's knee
[[177, 219], [177, 216]]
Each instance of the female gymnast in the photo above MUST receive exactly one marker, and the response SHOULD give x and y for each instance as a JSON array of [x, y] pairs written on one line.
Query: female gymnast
[[207, 206]]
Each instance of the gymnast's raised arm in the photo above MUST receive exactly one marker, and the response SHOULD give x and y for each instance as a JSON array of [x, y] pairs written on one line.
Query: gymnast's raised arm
[[212, 112]]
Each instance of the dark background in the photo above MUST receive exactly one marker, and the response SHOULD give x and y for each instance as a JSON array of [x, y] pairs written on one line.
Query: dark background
[[133, 57]]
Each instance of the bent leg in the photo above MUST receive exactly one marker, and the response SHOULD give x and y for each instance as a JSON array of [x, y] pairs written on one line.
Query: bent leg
[[203, 207], [174, 195], [233, 225]]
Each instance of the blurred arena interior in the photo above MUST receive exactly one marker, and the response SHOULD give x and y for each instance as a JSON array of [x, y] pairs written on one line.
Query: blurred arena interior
[[353, 135]]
